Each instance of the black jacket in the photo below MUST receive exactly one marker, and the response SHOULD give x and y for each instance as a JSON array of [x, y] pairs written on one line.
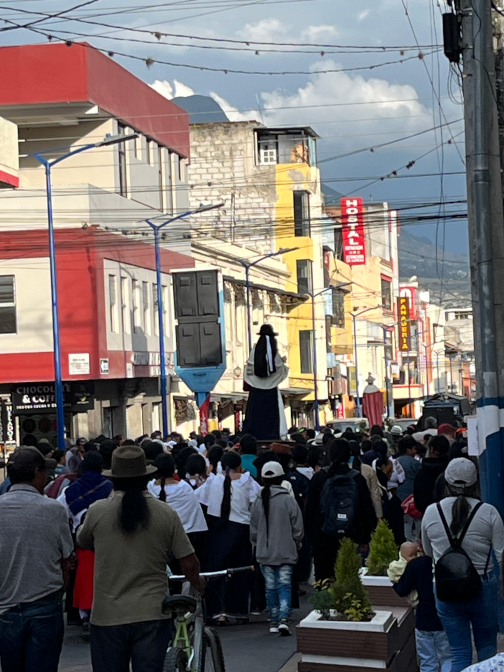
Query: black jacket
[[418, 576], [365, 518], [425, 491]]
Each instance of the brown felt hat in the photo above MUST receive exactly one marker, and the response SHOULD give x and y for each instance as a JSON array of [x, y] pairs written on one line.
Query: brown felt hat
[[129, 462], [280, 448]]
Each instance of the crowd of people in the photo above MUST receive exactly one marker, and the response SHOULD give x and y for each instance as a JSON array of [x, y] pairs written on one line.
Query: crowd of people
[[106, 522]]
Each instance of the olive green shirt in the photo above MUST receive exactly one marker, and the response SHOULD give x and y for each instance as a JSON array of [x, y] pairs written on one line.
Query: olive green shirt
[[130, 578]]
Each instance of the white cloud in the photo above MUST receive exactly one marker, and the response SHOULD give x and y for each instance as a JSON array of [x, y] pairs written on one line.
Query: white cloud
[[178, 90], [266, 30], [232, 113], [316, 33], [182, 90], [163, 87], [323, 103], [362, 15]]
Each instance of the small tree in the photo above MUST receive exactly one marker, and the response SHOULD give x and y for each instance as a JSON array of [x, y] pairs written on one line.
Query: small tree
[[349, 595], [382, 550]]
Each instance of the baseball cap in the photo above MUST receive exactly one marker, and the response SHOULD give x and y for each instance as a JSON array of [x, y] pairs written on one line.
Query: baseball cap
[[461, 472], [81, 441], [446, 428], [272, 470], [26, 456], [396, 431]]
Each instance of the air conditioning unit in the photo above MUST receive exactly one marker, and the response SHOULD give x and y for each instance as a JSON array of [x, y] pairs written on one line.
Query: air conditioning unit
[[268, 156]]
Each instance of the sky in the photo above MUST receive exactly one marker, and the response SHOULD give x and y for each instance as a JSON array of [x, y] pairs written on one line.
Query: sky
[[373, 99]]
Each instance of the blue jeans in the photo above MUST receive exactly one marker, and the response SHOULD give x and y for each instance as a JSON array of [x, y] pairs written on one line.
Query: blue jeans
[[480, 614], [31, 635], [278, 591], [433, 651]]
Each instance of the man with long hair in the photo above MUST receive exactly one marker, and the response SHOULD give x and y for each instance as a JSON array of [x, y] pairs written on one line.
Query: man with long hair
[[133, 534]]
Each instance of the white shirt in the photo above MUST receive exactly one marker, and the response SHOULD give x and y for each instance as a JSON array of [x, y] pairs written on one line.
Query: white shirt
[[306, 471], [418, 436], [243, 493], [75, 520], [182, 499]]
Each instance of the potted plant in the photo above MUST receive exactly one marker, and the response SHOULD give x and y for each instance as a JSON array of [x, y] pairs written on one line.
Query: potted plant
[[382, 551], [344, 632]]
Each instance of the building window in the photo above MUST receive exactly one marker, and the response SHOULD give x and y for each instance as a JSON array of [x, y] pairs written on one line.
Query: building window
[[7, 305], [386, 293], [338, 243], [137, 320], [301, 213], [155, 309], [146, 307], [113, 304], [125, 305], [304, 276], [306, 351], [123, 177], [338, 308]]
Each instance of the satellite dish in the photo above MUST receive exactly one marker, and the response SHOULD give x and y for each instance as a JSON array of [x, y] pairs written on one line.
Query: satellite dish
[[413, 278]]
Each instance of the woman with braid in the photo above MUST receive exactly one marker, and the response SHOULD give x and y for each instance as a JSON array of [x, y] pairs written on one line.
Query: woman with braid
[[182, 499], [276, 529], [228, 498]]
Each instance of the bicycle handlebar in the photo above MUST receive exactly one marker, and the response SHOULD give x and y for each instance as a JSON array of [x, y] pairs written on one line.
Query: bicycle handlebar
[[215, 575]]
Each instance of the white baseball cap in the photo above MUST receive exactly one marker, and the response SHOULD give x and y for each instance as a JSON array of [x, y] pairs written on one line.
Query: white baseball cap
[[461, 472], [272, 470]]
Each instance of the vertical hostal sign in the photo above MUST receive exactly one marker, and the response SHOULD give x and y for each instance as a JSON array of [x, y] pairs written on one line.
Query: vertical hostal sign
[[354, 242]]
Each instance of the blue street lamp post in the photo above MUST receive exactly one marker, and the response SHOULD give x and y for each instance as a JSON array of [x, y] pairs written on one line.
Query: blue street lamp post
[[313, 296], [48, 165], [160, 304], [247, 266]]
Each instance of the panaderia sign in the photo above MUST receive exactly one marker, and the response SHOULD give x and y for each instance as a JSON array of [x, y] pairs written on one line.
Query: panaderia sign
[[403, 313]]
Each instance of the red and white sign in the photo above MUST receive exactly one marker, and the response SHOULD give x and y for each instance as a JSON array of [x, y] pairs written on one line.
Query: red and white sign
[[354, 242], [411, 293]]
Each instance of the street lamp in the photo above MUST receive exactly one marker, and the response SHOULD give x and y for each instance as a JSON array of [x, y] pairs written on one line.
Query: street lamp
[[354, 318], [247, 266], [162, 354], [48, 165], [387, 328]]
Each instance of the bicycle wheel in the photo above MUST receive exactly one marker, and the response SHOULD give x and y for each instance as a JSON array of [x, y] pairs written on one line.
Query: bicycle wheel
[[175, 660], [213, 655]]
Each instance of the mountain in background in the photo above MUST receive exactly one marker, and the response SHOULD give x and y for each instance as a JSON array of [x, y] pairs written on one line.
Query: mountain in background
[[446, 275], [202, 109]]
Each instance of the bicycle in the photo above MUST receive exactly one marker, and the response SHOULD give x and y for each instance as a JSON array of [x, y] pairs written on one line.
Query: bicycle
[[195, 647]]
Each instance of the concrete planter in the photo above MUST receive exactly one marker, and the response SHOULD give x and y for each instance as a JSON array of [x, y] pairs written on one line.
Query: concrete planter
[[387, 642], [380, 591]]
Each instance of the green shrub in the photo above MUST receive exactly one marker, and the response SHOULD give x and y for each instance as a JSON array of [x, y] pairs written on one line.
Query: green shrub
[[350, 597], [346, 595], [382, 550]]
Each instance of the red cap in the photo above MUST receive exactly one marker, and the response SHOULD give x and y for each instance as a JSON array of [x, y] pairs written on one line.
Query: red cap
[[446, 428]]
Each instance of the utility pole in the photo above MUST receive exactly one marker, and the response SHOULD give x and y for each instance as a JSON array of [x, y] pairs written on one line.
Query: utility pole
[[486, 233]]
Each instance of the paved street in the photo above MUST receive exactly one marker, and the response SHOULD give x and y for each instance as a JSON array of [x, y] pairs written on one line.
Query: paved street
[[242, 647]]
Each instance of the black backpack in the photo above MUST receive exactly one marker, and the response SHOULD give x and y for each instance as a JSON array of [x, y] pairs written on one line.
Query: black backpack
[[338, 504], [301, 485], [456, 577]]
